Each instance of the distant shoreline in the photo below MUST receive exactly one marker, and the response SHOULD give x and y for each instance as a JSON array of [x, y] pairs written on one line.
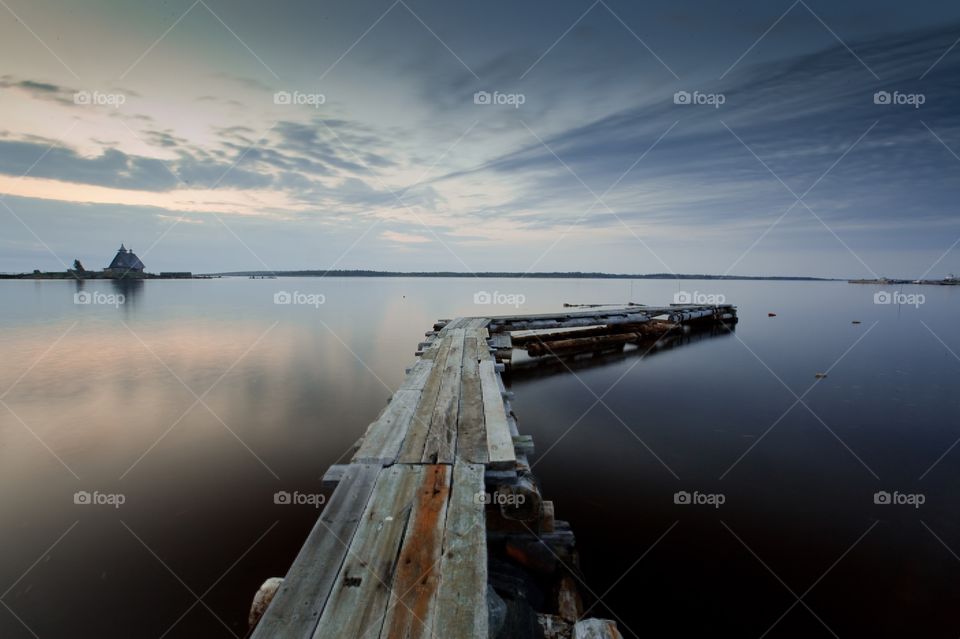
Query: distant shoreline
[[571, 275]]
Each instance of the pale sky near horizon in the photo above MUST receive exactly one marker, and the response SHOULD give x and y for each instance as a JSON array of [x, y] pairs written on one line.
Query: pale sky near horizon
[[166, 126]]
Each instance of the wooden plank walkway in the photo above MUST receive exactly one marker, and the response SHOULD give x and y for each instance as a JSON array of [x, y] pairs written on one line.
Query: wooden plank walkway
[[401, 548]]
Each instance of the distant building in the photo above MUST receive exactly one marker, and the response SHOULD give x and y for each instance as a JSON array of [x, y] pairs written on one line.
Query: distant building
[[126, 261]]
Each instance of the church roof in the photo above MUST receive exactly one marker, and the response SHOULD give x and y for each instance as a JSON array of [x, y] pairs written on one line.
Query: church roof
[[126, 260]]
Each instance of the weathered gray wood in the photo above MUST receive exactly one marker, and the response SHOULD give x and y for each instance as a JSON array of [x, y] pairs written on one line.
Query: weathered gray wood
[[413, 600], [523, 444], [501, 340], [413, 445], [634, 314], [520, 339], [498, 321], [500, 451], [297, 606], [475, 323], [462, 606], [358, 601], [334, 475], [460, 322], [417, 376], [484, 353], [441, 444], [434, 350], [384, 437], [471, 433], [571, 322]]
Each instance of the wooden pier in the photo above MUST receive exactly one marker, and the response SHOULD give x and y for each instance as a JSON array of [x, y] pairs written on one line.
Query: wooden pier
[[436, 527]]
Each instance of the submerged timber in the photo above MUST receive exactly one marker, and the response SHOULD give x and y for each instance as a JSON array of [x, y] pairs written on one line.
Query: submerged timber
[[437, 527]]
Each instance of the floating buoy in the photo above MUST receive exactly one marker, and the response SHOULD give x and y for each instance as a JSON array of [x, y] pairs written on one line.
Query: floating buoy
[[771, 314], [820, 375]]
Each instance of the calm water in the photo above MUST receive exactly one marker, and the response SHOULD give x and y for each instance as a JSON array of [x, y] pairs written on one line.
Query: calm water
[[104, 399]]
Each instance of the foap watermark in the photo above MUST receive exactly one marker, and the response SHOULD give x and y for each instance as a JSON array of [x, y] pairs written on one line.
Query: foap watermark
[[899, 299], [99, 98], [298, 98], [712, 99], [484, 298], [896, 498], [96, 498], [97, 298], [697, 297], [907, 99], [296, 298], [499, 99], [500, 499], [696, 498], [296, 498]]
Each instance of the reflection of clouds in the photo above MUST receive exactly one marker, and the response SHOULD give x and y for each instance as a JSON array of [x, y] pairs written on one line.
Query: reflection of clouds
[[101, 387]]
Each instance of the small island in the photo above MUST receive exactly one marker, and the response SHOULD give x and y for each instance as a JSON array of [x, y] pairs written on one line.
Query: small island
[[124, 266]]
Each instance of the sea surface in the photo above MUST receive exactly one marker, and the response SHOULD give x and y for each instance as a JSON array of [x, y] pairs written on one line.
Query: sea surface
[[145, 430]]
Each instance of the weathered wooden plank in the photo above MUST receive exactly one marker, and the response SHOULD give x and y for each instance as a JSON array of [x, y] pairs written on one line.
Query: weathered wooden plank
[[501, 340], [471, 433], [441, 444], [459, 322], [358, 601], [483, 352], [413, 445], [434, 351], [297, 606], [417, 376], [500, 451], [523, 444], [413, 600], [334, 475], [531, 324], [461, 604], [384, 437], [609, 312]]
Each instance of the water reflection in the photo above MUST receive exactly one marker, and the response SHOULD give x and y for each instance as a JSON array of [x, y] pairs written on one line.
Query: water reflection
[[296, 386], [129, 288]]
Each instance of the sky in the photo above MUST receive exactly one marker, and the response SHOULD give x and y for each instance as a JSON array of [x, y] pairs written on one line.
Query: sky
[[766, 137]]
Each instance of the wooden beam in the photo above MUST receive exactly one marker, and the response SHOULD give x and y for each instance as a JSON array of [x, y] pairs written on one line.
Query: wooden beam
[[334, 475], [441, 444], [471, 433], [462, 602], [413, 445], [417, 376], [385, 436], [500, 451], [358, 601], [297, 606], [413, 598]]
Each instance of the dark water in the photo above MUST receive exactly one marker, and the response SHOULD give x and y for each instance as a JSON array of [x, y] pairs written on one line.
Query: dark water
[[98, 398]]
